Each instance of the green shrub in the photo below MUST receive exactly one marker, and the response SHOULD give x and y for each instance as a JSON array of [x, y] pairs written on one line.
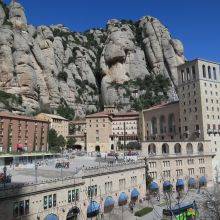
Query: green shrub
[[66, 112], [143, 211], [9, 99]]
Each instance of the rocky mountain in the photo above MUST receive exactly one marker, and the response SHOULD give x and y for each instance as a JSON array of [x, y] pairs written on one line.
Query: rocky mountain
[[46, 67]]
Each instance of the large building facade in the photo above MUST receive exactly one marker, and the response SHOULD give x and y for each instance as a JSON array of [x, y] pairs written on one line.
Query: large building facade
[[195, 117], [61, 197], [22, 133], [109, 129], [58, 123]]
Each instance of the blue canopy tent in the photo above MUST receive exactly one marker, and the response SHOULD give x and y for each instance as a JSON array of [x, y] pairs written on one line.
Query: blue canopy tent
[[51, 217], [134, 195], [109, 204], [179, 184], [153, 187], [93, 209], [202, 181], [191, 182], [167, 186], [123, 199]]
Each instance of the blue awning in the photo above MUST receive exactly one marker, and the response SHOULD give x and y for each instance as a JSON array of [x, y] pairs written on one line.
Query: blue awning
[[134, 193], [109, 201], [51, 217], [191, 181], [179, 182], [202, 180], [167, 183], [154, 186], [93, 209], [122, 200], [109, 204]]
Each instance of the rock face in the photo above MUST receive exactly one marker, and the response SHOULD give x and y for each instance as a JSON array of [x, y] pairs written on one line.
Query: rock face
[[51, 65]]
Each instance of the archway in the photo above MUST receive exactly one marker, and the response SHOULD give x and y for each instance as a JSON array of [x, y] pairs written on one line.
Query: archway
[[171, 123], [200, 148], [162, 124], [73, 213], [189, 148], [177, 148], [154, 125], [151, 149], [97, 148], [165, 148], [112, 147]]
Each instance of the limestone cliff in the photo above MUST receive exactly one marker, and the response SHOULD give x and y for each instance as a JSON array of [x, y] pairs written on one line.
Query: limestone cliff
[[50, 66]]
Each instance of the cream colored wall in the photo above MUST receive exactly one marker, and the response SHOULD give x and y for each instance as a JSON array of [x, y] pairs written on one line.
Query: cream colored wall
[[147, 115], [208, 112], [62, 207], [59, 125], [159, 158], [103, 125]]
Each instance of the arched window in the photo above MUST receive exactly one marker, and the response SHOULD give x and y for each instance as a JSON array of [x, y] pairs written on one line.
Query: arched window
[[162, 124], [209, 72], [187, 74], [154, 125], [189, 148], [200, 148], [182, 75], [171, 123], [214, 73], [193, 72], [151, 149], [165, 149], [204, 71], [177, 148]]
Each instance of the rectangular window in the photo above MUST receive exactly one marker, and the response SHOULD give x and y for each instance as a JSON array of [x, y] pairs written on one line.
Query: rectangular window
[[21, 208], [191, 171], [121, 184], [26, 210], [50, 201], [45, 202], [54, 200], [69, 196], [15, 209], [92, 191]]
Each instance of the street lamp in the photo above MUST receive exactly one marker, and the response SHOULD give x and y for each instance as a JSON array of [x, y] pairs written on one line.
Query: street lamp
[[5, 174]]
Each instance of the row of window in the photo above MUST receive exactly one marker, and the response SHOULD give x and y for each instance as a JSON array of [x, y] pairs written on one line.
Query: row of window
[[178, 162], [93, 190], [177, 148], [188, 74], [211, 72], [179, 172]]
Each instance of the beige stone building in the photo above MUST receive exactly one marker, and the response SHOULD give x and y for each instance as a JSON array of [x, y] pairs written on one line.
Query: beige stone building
[[179, 160], [199, 95], [77, 130], [195, 117], [106, 129], [58, 123], [60, 197]]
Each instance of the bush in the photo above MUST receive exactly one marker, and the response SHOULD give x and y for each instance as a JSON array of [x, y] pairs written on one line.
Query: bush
[[9, 99], [66, 112], [143, 211]]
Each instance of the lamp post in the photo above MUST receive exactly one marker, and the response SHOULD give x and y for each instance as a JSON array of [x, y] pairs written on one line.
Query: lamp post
[[5, 174], [35, 168]]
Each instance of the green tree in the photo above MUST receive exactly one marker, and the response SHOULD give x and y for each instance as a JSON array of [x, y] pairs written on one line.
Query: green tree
[[61, 141], [66, 112], [71, 142], [52, 141]]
